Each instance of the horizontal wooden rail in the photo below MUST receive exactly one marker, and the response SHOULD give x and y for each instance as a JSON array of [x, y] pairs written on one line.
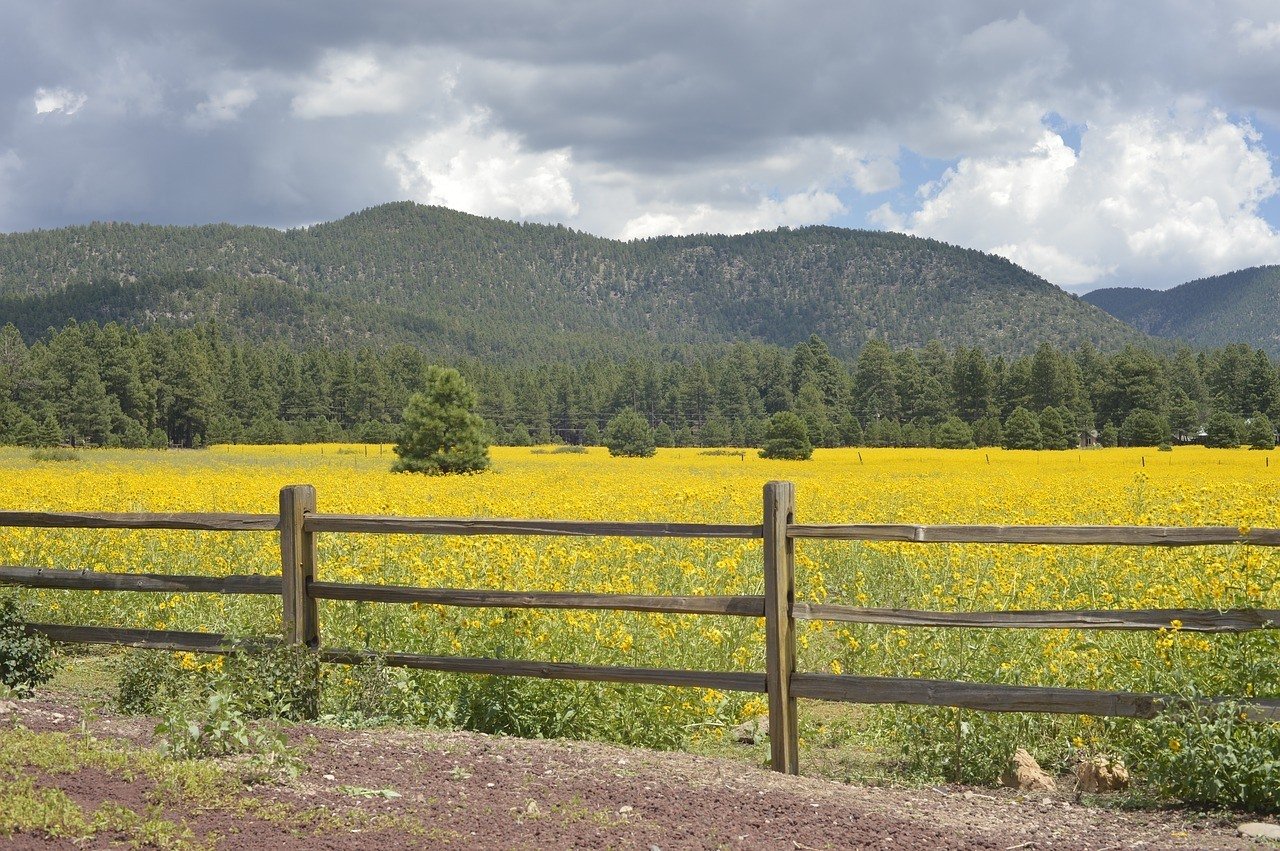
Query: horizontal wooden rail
[[1190, 620], [999, 698], [477, 526], [104, 520], [88, 580], [692, 605], [723, 680], [1165, 536], [150, 639]]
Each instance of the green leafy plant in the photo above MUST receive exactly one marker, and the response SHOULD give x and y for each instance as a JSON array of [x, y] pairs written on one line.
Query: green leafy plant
[[1213, 753], [146, 680], [26, 660], [214, 724]]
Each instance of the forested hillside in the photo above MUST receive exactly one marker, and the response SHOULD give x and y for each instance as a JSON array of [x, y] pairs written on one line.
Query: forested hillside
[[1241, 306], [117, 386], [459, 285]]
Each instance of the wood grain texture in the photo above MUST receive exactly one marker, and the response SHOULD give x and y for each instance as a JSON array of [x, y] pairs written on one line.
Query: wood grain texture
[[105, 520], [88, 580], [1161, 536], [298, 566], [747, 606], [459, 526], [1191, 620], [151, 639], [779, 626], [723, 680]]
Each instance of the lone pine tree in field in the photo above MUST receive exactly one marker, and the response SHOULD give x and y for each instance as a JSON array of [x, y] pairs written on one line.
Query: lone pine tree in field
[[440, 432], [629, 435], [787, 438]]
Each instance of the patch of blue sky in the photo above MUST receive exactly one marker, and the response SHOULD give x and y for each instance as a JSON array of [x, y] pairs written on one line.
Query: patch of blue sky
[[1070, 132], [914, 172]]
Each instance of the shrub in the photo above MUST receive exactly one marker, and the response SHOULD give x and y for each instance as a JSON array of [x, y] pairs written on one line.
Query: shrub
[[440, 432], [1208, 753], [26, 661], [628, 435], [787, 438], [54, 454]]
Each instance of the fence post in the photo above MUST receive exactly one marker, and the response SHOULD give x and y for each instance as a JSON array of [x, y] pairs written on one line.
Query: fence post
[[779, 627], [298, 565]]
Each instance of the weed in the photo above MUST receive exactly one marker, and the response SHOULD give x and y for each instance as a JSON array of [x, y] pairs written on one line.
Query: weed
[[26, 660]]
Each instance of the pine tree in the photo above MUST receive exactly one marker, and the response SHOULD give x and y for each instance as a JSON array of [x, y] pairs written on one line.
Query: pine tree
[[440, 432], [787, 438], [1022, 430], [629, 435]]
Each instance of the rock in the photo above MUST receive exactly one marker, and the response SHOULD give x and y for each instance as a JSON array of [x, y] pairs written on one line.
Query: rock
[[1102, 774], [1260, 830], [1025, 773], [752, 730], [7, 706]]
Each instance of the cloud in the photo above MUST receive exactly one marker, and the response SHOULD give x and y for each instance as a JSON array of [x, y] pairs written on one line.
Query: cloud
[[627, 119], [476, 168], [222, 106], [58, 100], [352, 83], [1153, 199], [802, 208]]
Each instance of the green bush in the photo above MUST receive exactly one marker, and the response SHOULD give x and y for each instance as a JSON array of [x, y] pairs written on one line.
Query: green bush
[[1209, 753], [54, 454], [787, 438], [628, 435], [26, 661]]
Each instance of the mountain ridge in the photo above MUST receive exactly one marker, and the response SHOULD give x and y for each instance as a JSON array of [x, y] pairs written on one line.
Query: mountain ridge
[[1239, 306], [463, 284]]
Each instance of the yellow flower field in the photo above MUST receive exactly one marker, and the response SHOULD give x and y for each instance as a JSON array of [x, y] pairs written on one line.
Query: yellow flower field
[[1190, 486]]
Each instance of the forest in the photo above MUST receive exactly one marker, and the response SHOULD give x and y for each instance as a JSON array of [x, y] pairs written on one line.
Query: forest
[[112, 385]]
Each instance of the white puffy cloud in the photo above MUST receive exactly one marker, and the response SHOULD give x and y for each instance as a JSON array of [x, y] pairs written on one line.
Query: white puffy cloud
[[474, 167], [801, 208], [1148, 200], [58, 100]]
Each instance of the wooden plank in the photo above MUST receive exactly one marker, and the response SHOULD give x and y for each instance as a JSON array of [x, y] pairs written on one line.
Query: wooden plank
[[152, 639], [1191, 620], [748, 606], [481, 526], [722, 680], [779, 627], [1166, 536], [104, 520], [88, 580], [298, 565], [1000, 698]]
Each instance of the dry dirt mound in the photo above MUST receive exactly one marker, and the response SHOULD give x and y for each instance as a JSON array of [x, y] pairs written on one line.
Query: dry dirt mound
[[416, 789]]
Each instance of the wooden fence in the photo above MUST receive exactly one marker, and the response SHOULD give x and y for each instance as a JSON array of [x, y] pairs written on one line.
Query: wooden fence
[[298, 523]]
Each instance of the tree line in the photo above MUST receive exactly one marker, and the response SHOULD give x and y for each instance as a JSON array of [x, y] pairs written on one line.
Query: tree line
[[122, 386]]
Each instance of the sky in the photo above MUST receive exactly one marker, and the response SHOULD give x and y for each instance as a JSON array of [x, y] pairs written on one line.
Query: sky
[[1095, 143]]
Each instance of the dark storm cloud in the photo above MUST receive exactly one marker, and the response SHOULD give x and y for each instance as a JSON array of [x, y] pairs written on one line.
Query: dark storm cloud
[[619, 117]]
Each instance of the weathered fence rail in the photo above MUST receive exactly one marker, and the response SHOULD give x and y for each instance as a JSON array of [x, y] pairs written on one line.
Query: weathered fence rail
[[298, 522]]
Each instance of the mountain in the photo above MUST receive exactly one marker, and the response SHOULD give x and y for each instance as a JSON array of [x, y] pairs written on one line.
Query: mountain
[[1239, 307], [461, 284]]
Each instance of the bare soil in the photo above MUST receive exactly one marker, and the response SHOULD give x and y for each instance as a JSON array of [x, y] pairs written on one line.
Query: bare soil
[[394, 789]]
